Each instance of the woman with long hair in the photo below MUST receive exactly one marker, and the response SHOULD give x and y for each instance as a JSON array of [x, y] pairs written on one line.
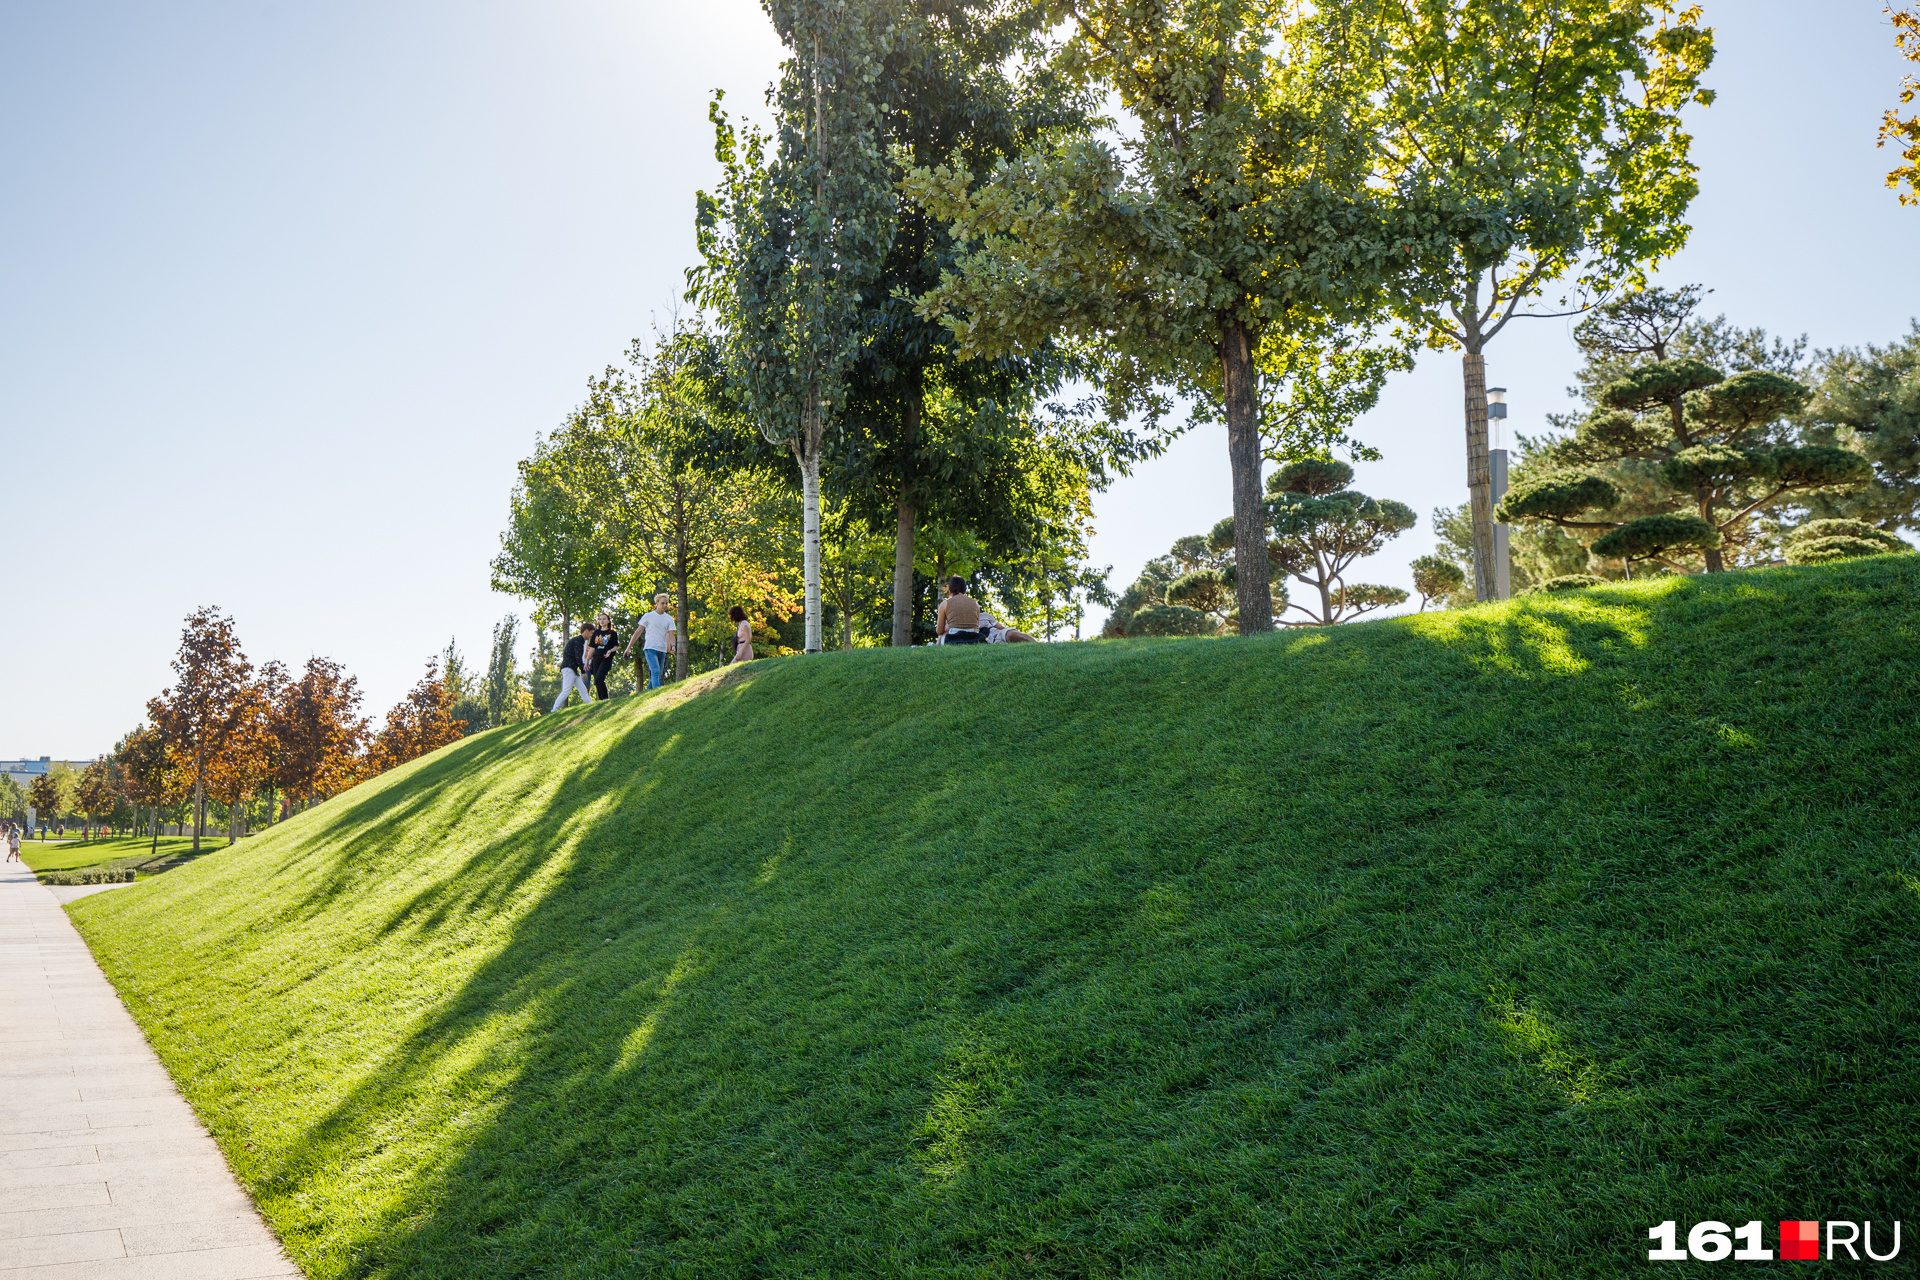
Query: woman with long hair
[[742, 635]]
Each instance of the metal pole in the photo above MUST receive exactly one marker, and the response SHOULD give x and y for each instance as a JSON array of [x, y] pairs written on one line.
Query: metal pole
[[1502, 557]]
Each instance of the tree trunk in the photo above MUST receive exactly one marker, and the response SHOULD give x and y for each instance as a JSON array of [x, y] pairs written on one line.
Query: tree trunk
[[1715, 563], [1479, 472], [808, 451], [903, 576], [199, 812], [1242, 395], [680, 624]]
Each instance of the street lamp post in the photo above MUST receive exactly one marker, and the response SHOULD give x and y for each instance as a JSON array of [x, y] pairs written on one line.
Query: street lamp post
[[1497, 464]]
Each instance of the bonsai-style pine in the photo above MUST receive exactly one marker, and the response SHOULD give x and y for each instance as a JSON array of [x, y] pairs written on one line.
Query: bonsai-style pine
[[1709, 446], [1319, 527], [1821, 541], [1435, 577]]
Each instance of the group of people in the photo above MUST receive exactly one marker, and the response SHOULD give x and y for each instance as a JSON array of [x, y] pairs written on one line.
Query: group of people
[[588, 657], [13, 843]]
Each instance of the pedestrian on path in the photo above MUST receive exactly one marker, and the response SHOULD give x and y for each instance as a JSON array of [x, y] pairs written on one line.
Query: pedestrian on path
[[605, 641], [742, 635], [574, 663], [657, 633], [13, 843]]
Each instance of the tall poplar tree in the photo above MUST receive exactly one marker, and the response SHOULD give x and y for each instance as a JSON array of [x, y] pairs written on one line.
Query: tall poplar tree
[[1545, 139], [792, 240]]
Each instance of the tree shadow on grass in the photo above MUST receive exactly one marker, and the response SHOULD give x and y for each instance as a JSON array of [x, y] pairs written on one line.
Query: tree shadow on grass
[[972, 973]]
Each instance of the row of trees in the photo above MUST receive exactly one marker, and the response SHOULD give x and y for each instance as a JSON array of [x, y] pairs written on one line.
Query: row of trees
[[227, 731], [940, 231]]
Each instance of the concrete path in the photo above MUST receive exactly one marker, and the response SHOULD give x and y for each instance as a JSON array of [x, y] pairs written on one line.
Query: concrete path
[[105, 1174]]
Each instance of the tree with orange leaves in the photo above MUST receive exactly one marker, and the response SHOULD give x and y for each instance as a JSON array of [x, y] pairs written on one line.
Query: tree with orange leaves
[[420, 722], [148, 774], [1906, 35], [205, 704], [246, 760], [317, 732]]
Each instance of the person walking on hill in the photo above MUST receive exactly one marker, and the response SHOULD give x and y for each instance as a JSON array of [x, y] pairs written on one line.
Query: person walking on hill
[[575, 661], [657, 633], [742, 635], [959, 618], [605, 641]]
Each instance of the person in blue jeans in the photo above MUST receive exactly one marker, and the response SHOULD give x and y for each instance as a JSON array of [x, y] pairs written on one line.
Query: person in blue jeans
[[658, 634]]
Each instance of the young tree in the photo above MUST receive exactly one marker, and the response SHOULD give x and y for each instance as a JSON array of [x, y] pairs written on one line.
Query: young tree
[[13, 800], [318, 732], [554, 551], [1436, 578], [1905, 133], [1546, 138], [1711, 451], [203, 707], [792, 243], [149, 774], [1320, 527], [98, 792], [419, 723], [245, 762], [1243, 219], [506, 687], [46, 795]]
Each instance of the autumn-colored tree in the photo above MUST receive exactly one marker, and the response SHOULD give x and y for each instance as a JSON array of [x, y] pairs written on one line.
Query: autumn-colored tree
[[148, 773], [246, 761], [317, 731], [98, 794], [44, 793], [1906, 36], [204, 706], [420, 722]]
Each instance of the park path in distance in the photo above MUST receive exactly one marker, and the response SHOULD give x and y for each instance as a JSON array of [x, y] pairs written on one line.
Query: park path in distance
[[105, 1172]]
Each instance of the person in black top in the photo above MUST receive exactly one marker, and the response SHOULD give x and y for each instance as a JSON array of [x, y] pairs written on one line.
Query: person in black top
[[575, 661], [605, 641]]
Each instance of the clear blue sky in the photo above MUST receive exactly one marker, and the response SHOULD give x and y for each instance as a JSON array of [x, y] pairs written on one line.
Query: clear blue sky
[[286, 290]]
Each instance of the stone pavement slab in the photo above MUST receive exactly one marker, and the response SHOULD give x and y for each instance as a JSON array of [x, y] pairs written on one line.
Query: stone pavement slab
[[105, 1172]]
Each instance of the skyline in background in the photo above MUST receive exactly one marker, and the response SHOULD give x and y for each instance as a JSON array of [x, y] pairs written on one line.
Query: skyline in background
[[287, 293]]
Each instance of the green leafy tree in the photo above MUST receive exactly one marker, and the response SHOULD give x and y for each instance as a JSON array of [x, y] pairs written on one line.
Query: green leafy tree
[[1436, 578], [792, 241], [47, 796], [13, 800], [1545, 137], [1320, 527], [554, 551], [149, 774], [1868, 401], [1708, 451], [1236, 217], [505, 685]]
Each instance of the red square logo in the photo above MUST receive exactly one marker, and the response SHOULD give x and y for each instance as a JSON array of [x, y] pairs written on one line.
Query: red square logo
[[1800, 1241]]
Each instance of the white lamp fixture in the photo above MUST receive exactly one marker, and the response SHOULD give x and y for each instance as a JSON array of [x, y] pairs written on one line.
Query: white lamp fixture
[[1496, 402]]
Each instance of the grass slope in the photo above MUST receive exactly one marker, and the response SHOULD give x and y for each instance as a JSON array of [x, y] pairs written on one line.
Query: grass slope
[[1465, 944]]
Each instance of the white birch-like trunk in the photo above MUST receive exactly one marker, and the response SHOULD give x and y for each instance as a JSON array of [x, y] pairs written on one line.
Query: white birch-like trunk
[[810, 530]]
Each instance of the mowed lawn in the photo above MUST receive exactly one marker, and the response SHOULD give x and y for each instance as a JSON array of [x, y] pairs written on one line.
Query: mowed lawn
[[1466, 944], [142, 854]]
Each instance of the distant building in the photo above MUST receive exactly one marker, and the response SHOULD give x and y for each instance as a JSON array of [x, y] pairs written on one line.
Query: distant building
[[25, 771]]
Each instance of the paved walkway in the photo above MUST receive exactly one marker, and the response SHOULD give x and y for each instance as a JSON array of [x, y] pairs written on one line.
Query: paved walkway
[[105, 1174]]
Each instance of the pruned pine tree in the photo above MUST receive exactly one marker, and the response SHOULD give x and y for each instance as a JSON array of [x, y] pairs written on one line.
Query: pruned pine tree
[[1320, 528], [1436, 578], [1237, 210], [1708, 452], [1544, 139], [792, 240]]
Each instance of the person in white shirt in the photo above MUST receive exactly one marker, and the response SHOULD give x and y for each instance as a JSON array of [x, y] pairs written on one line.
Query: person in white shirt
[[657, 633]]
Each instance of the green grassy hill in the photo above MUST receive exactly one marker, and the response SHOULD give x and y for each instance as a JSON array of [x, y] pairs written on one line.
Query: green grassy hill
[[1466, 944]]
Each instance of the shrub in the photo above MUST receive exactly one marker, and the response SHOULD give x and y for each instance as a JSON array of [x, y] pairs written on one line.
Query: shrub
[[1565, 582], [1171, 620]]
